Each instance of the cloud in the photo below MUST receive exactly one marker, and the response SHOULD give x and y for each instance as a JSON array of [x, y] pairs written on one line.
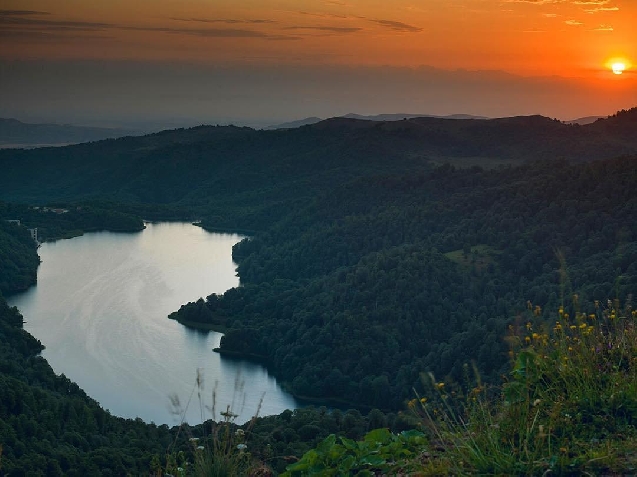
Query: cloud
[[325, 15], [573, 23], [12, 21], [326, 28], [11, 13], [550, 15], [397, 26], [230, 21], [603, 28], [17, 23], [212, 32], [601, 9], [591, 2], [537, 2]]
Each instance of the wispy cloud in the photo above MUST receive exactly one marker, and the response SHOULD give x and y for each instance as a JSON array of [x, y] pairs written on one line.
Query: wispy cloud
[[537, 2], [326, 28], [11, 13], [398, 26], [229, 21], [550, 15], [23, 23], [603, 28], [28, 22], [573, 23], [326, 15], [601, 9]]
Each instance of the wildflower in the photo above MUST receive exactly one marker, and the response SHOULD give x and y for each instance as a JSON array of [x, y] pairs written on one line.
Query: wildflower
[[527, 339], [240, 433], [242, 447], [535, 336], [440, 386], [583, 326], [536, 402], [529, 326], [194, 439], [200, 448], [423, 400], [573, 327]]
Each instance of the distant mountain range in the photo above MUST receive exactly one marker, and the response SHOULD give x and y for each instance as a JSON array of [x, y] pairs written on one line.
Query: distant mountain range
[[377, 117], [188, 166], [585, 120], [400, 117], [14, 133]]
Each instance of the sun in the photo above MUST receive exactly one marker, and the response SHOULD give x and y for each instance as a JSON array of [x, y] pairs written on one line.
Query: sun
[[618, 64], [618, 67]]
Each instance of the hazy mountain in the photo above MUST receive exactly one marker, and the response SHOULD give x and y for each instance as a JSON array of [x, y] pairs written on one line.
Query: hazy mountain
[[585, 120], [400, 117], [295, 124], [377, 117], [14, 133]]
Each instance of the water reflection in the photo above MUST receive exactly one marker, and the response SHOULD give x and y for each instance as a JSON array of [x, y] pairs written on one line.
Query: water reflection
[[100, 307]]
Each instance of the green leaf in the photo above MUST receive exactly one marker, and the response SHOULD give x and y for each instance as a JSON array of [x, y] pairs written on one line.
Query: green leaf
[[372, 460], [346, 464], [381, 436]]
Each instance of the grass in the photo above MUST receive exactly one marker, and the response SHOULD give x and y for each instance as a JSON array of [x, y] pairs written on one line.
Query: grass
[[220, 449], [568, 406]]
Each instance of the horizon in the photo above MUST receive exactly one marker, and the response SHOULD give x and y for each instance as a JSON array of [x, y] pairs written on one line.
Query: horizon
[[261, 63]]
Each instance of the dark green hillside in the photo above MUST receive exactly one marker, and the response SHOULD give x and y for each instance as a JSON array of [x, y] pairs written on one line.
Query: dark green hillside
[[255, 177], [18, 258], [356, 294]]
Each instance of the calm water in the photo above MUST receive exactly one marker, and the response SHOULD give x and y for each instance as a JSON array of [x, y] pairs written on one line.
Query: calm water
[[100, 307]]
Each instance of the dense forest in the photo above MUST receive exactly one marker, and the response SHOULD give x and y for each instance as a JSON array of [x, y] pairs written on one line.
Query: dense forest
[[367, 264], [353, 296]]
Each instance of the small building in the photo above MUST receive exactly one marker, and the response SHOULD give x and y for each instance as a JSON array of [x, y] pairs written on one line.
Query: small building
[[34, 234], [17, 222]]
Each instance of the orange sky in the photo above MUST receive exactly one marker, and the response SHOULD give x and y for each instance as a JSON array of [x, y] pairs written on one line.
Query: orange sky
[[185, 62], [528, 37]]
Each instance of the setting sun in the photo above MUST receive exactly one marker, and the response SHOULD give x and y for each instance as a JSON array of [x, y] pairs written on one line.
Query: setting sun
[[618, 68]]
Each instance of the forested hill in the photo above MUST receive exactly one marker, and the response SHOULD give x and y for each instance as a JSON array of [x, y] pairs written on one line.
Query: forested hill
[[259, 174], [354, 295]]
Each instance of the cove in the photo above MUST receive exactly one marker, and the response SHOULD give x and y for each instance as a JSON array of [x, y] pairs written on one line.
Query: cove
[[100, 308]]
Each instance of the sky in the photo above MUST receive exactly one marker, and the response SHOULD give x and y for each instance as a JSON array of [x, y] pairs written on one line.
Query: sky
[[265, 61]]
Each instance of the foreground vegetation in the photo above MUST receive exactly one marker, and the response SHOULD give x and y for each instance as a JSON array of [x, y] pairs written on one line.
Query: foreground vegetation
[[568, 407]]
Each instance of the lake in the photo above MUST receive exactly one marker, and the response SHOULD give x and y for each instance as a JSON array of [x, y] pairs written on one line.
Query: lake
[[100, 307]]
